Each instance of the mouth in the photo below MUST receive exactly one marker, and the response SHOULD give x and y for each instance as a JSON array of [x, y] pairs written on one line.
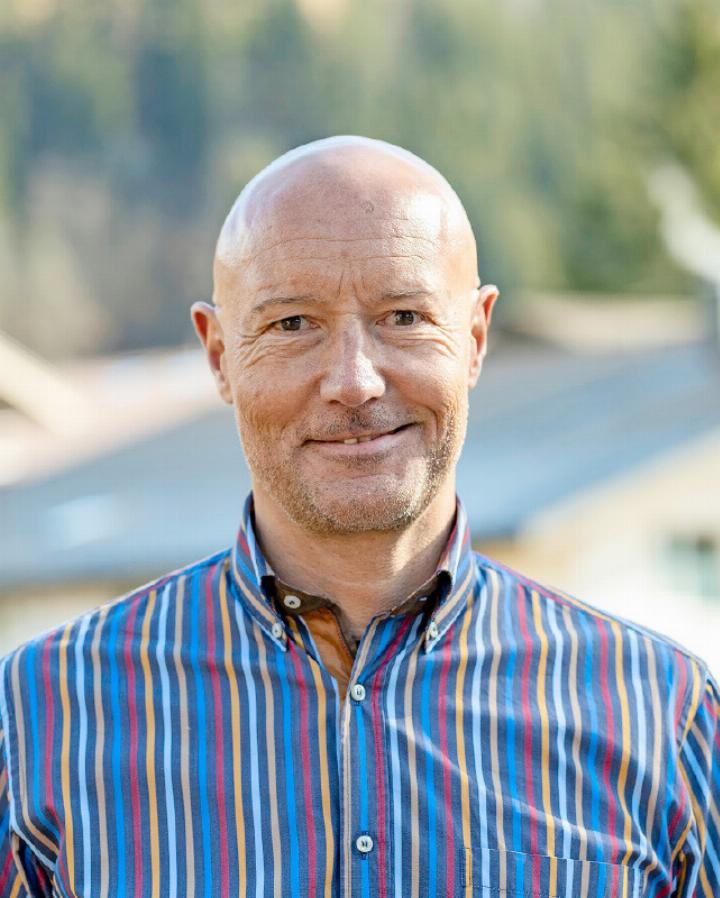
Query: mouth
[[363, 443]]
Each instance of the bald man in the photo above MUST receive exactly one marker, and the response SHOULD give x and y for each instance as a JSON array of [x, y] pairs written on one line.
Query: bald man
[[350, 701]]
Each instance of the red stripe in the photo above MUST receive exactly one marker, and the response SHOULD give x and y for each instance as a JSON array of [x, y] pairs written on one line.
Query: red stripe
[[447, 764], [677, 817], [609, 724], [527, 719], [306, 767], [133, 749], [219, 753], [5, 872], [680, 699], [375, 683]]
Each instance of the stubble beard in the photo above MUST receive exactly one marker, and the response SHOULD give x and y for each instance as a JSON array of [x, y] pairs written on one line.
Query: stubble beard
[[393, 508]]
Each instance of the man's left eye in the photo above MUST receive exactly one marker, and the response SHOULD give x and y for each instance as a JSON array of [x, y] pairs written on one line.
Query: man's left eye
[[405, 317], [292, 323]]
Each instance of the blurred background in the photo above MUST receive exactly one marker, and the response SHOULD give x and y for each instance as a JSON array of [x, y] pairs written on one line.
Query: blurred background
[[583, 137]]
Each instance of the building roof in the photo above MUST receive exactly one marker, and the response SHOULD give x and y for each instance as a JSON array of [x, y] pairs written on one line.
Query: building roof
[[545, 421]]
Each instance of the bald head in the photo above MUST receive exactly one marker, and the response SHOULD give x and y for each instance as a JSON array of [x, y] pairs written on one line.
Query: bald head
[[343, 189]]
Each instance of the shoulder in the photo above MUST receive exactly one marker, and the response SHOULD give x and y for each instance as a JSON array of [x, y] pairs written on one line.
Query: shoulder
[[644, 652], [50, 657]]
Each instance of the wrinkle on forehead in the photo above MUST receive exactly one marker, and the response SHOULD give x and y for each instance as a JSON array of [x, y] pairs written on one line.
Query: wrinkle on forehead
[[339, 191]]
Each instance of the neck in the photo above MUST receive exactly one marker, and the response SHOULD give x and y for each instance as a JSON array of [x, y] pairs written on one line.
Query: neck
[[363, 573]]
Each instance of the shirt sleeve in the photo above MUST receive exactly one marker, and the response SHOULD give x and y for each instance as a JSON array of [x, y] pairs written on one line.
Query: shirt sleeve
[[698, 857], [13, 882]]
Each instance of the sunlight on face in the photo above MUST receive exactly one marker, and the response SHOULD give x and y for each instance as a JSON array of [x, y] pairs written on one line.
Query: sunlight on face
[[346, 316]]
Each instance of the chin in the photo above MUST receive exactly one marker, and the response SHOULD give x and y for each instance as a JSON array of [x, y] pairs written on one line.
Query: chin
[[359, 508]]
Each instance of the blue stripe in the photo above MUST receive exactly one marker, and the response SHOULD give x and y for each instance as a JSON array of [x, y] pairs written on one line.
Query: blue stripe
[[289, 775], [115, 746], [202, 777]]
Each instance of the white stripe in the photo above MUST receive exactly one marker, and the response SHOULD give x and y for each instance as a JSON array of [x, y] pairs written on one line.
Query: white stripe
[[477, 736], [561, 729], [641, 748], [167, 744], [396, 787], [249, 675]]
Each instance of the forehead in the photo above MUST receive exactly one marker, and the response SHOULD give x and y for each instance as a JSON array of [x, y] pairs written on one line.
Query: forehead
[[365, 242]]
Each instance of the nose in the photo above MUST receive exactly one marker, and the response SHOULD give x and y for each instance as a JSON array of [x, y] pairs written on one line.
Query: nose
[[351, 376]]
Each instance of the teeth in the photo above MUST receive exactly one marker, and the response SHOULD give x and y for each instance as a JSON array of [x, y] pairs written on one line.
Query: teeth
[[353, 440]]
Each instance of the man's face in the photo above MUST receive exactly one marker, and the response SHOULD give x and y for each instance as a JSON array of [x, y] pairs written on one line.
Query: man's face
[[346, 325]]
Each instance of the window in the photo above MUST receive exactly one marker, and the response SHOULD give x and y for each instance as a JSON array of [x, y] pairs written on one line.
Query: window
[[693, 564]]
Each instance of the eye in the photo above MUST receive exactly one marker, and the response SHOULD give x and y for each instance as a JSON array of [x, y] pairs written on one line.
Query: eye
[[292, 323], [405, 317]]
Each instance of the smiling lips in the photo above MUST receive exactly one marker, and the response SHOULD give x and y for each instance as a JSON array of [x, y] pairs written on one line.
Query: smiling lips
[[349, 445], [351, 440]]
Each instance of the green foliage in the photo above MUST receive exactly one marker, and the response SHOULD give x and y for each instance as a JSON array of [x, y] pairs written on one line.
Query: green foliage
[[127, 129]]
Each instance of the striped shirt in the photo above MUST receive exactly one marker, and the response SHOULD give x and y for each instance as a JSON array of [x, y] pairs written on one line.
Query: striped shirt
[[186, 740]]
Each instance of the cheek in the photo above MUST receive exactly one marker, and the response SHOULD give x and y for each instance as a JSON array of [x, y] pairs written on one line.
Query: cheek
[[266, 401], [436, 384]]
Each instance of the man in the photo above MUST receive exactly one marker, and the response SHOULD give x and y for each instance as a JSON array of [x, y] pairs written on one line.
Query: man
[[350, 701]]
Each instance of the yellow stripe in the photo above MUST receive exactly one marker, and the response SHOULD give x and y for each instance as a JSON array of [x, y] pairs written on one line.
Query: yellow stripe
[[65, 758], [625, 725], [460, 738], [696, 813], [184, 747], [694, 702], [16, 887], [545, 739], [625, 878], [99, 746], [150, 745], [236, 741], [261, 607]]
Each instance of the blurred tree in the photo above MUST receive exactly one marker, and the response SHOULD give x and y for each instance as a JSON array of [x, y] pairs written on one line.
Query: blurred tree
[[128, 128]]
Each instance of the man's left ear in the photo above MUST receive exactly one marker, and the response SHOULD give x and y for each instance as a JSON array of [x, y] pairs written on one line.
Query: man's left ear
[[479, 325]]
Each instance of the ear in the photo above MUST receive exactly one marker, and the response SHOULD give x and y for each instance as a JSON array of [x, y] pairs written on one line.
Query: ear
[[479, 324], [209, 329]]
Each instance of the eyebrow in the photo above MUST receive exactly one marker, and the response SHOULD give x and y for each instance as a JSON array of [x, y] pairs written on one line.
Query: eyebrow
[[279, 301]]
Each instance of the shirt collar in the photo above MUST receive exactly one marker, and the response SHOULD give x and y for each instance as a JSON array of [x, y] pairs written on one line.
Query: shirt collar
[[253, 577]]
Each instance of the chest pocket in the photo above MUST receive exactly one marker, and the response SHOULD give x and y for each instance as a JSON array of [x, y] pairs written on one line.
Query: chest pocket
[[494, 873]]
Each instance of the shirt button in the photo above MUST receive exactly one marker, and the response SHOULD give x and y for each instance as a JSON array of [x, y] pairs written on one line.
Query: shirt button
[[432, 630], [291, 602], [358, 693], [278, 631], [364, 844]]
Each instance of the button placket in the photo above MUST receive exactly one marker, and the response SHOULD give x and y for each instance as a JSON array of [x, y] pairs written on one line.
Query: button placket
[[358, 846]]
